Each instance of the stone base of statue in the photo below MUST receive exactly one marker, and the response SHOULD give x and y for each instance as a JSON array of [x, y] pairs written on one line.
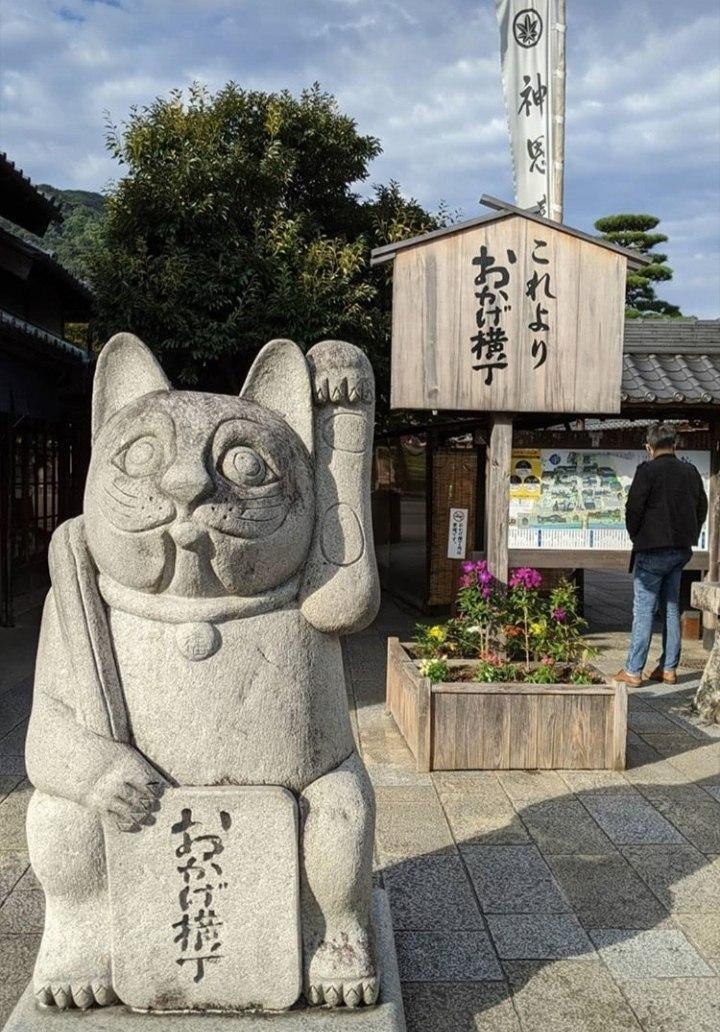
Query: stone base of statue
[[706, 596], [386, 1016]]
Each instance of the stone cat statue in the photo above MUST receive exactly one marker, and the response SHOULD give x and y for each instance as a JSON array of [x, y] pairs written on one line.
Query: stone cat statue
[[190, 637]]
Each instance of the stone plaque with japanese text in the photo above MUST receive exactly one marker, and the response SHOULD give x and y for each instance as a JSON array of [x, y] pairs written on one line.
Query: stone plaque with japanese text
[[509, 316], [205, 902]]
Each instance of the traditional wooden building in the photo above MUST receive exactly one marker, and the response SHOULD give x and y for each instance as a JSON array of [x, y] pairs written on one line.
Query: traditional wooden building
[[44, 437]]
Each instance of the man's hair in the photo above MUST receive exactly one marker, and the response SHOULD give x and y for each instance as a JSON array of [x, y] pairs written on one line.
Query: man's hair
[[661, 436]]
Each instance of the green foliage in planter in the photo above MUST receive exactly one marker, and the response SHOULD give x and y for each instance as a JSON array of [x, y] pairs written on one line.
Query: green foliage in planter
[[504, 627], [435, 669]]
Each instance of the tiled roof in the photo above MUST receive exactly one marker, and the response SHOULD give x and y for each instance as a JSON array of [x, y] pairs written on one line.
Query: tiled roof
[[74, 289], [668, 362], [22, 203], [27, 331]]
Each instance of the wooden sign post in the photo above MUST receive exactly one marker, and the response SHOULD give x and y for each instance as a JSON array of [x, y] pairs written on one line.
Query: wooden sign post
[[505, 314]]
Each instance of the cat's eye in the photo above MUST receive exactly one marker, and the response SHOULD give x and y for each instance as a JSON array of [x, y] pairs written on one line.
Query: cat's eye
[[141, 458], [244, 467]]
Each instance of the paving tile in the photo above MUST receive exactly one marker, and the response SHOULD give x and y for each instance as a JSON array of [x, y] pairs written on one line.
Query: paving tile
[[23, 912], [13, 743], [683, 878], [13, 863], [702, 763], [672, 745], [650, 953], [392, 775], [581, 781], [703, 930], [513, 879], [459, 1006], [456, 956], [651, 720], [13, 811], [13, 765], [410, 822], [7, 783], [539, 936], [431, 893], [606, 892], [691, 810], [530, 785], [18, 954], [664, 1005], [568, 996], [478, 809], [684, 718], [627, 817], [564, 826], [713, 790], [28, 881]]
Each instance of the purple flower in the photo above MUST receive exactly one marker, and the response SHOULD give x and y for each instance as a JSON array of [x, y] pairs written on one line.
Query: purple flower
[[525, 577], [486, 592], [467, 567], [559, 613]]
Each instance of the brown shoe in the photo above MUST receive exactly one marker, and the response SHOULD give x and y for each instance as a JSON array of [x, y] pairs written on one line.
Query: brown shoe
[[663, 676], [627, 678]]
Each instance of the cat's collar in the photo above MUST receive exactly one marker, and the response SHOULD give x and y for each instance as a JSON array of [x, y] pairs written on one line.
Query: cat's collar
[[180, 610]]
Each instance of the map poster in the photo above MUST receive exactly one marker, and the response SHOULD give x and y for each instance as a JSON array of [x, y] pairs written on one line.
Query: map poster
[[562, 498]]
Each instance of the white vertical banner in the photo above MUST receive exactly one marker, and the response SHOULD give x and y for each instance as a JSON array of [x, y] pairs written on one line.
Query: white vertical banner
[[532, 53]]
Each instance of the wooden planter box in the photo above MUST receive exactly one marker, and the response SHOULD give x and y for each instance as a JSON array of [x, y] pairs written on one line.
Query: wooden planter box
[[468, 725]]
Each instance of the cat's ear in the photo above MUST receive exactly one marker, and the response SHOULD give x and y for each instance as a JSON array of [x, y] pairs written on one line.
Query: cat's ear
[[126, 369], [280, 380]]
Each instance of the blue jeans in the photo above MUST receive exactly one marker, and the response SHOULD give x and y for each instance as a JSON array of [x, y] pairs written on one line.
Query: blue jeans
[[656, 586]]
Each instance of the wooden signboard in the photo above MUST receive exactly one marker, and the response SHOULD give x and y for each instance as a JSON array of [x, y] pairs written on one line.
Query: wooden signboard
[[509, 314]]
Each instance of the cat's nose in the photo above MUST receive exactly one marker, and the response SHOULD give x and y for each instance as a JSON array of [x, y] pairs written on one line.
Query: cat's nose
[[187, 483]]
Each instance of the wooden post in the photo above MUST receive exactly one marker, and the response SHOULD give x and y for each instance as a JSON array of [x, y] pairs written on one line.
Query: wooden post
[[497, 495], [710, 621]]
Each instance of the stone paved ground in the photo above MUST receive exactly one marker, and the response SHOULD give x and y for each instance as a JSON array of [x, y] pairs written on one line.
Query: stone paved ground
[[522, 902]]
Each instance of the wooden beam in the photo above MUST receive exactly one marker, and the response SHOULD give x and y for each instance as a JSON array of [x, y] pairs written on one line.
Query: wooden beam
[[497, 496], [586, 559]]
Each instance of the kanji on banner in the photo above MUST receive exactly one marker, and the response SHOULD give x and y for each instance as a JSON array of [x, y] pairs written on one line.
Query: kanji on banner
[[532, 49]]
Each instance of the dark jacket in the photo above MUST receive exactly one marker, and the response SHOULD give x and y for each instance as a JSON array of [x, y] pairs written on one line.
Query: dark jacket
[[666, 506]]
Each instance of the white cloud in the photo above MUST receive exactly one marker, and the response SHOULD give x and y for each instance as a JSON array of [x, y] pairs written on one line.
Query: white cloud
[[643, 96]]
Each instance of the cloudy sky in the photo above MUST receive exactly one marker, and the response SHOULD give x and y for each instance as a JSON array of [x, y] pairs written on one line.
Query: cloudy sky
[[643, 90]]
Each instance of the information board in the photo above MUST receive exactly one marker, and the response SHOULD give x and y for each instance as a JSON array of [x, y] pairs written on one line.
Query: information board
[[562, 498]]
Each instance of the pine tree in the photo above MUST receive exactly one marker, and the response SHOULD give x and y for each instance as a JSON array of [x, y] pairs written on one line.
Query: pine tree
[[634, 231]]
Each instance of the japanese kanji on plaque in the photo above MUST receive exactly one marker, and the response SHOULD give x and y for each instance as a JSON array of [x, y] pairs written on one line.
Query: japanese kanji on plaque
[[507, 313]]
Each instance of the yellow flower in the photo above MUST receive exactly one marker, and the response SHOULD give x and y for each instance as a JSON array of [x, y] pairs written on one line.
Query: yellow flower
[[537, 628], [437, 632]]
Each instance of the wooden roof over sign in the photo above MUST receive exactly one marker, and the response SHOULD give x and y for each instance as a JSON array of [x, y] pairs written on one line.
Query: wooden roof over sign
[[504, 210]]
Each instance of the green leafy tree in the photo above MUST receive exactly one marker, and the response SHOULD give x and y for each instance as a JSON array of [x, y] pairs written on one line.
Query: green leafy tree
[[634, 231], [236, 222], [74, 240]]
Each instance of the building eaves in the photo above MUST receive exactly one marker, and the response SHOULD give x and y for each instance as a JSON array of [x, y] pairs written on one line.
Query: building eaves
[[47, 261], [21, 329], [22, 203]]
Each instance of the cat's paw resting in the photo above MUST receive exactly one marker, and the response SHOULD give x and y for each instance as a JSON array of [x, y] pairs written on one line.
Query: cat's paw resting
[[342, 971]]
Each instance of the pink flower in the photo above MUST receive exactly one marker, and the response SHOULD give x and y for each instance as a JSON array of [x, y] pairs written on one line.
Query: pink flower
[[525, 577], [467, 567], [559, 613]]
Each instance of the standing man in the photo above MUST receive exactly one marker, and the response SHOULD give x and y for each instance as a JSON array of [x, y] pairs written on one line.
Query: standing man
[[664, 514]]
